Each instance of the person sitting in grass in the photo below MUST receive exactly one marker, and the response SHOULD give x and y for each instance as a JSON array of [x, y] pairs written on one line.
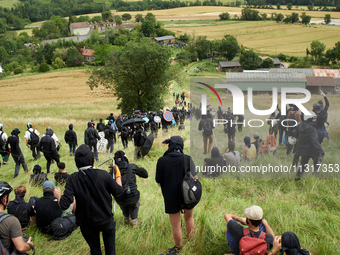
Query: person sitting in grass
[[231, 156], [249, 150], [213, 166], [62, 175], [288, 244], [257, 227]]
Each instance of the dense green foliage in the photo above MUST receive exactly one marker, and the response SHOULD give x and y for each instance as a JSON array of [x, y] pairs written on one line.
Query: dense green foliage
[[250, 60]]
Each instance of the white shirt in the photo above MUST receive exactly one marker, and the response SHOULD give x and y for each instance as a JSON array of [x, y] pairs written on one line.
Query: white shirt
[[4, 136], [55, 138]]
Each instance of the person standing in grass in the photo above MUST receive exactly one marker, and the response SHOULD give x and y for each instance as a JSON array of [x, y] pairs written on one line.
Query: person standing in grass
[[15, 150], [71, 139], [169, 174], [47, 146]]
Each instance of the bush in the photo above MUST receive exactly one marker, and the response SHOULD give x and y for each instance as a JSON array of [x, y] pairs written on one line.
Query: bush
[[282, 57], [335, 66], [18, 70], [43, 68]]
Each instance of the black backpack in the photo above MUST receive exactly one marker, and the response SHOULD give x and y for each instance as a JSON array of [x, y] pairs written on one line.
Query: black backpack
[[207, 128], [190, 188], [125, 132], [3, 250], [34, 140], [106, 133], [63, 227]]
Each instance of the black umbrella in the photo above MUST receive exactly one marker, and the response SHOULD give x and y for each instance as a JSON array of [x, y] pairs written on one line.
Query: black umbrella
[[132, 121], [147, 144]]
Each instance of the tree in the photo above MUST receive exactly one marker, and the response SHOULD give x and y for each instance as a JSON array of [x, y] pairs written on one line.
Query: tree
[[107, 16], [279, 17], [289, 6], [138, 74], [317, 50], [201, 46], [305, 19], [3, 54], [121, 40], [250, 60], [139, 17], [267, 63], [249, 14], [327, 18], [126, 16], [148, 28], [151, 17], [224, 16], [96, 19], [73, 57], [278, 6], [229, 47], [118, 20], [295, 17]]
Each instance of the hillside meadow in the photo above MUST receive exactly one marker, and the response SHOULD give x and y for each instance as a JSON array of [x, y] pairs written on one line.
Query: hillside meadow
[[310, 207]]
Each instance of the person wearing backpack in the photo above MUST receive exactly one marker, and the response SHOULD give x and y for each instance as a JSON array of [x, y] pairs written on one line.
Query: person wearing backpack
[[206, 125], [32, 137], [124, 135], [170, 172], [10, 228], [139, 139], [130, 203], [91, 137], [47, 146], [71, 139], [258, 233], [3, 140], [15, 150], [109, 136]]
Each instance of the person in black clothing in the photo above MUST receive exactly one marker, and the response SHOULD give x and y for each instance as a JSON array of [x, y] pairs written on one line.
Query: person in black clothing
[[139, 140], [111, 117], [71, 139], [240, 119], [206, 125], [17, 155], [211, 165], [47, 146], [169, 173], [124, 135], [130, 203], [38, 178], [47, 208], [322, 116], [62, 175], [20, 209], [92, 189], [91, 137], [109, 135], [100, 126], [308, 146]]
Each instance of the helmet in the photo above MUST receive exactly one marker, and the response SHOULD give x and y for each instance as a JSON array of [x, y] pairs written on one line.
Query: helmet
[[256, 135], [291, 140], [311, 115], [29, 124], [5, 188]]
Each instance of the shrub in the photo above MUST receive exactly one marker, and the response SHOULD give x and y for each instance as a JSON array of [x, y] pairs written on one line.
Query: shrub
[[18, 70], [43, 68]]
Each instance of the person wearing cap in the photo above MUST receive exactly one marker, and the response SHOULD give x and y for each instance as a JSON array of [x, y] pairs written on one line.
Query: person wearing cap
[[15, 150], [47, 208], [47, 146], [10, 228], [307, 145], [71, 139], [169, 173], [3, 140], [32, 147], [93, 190], [288, 244], [256, 224], [257, 142], [90, 138]]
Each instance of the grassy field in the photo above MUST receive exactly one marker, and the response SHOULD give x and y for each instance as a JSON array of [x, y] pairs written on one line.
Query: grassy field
[[310, 208]]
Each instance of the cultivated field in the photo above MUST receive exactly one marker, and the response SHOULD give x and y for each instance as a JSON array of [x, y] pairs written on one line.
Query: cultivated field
[[311, 207]]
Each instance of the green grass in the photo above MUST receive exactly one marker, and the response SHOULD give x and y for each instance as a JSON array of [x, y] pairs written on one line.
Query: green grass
[[8, 3], [310, 208]]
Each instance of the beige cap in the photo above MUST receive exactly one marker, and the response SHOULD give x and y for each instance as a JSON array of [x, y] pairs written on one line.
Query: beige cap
[[254, 212]]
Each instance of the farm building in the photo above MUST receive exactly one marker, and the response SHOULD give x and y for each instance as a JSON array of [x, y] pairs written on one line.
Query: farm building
[[265, 81], [80, 28], [88, 54], [315, 84], [327, 72], [277, 62], [225, 66], [306, 71], [169, 39]]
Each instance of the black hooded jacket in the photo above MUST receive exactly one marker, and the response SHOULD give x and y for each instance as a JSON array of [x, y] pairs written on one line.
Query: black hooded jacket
[[128, 173], [307, 143], [91, 135], [47, 144], [71, 136]]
